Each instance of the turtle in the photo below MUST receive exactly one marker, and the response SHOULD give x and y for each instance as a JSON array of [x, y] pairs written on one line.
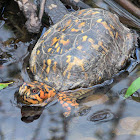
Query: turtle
[[84, 49]]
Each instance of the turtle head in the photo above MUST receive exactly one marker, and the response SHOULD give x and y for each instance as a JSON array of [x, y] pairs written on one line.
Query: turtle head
[[36, 93]]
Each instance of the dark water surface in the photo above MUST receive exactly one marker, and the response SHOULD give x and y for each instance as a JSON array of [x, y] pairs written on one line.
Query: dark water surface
[[105, 115]]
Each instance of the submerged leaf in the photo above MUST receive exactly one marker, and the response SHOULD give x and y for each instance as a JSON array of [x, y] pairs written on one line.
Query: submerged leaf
[[133, 88], [4, 85]]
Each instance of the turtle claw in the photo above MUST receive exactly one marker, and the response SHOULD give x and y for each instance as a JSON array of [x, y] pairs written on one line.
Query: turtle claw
[[66, 114]]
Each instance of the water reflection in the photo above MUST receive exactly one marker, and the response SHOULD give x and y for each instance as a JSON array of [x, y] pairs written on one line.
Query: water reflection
[[101, 116], [30, 113]]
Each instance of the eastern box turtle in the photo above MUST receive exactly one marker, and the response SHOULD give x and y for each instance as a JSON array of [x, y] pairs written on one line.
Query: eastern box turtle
[[85, 48]]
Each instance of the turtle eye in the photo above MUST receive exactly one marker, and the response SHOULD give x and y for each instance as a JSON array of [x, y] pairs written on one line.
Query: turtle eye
[[34, 90]]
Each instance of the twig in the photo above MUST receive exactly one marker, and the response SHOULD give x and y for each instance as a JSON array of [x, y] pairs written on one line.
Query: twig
[[129, 7]]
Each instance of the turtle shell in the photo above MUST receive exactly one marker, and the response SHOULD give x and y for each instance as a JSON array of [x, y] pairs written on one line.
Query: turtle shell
[[85, 48]]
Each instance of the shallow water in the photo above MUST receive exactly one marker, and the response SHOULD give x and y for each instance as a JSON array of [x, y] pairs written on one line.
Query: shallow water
[[105, 115]]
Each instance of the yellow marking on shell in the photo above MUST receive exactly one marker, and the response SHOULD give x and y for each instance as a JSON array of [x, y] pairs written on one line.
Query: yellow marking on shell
[[46, 79], [108, 28], [69, 58], [63, 29], [79, 47], [68, 22], [56, 45], [61, 51], [76, 61], [112, 26], [55, 39], [44, 46], [69, 74], [86, 76], [101, 44], [74, 30], [41, 41], [116, 35], [99, 20], [49, 49], [58, 49], [34, 69], [81, 24], [49, 64], [38, 52], [84, 38], [87, 12], [44, 65], [76, 20], [46, 33], [96, 47], [95, 13], [54, 67], [33, 61], [81, 11], [65, 42]]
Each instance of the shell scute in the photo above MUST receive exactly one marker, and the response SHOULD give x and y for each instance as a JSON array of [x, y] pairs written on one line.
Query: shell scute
[[85, 48]]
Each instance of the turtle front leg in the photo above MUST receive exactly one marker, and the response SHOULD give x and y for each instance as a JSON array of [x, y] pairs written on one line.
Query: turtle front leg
[[67, 101]]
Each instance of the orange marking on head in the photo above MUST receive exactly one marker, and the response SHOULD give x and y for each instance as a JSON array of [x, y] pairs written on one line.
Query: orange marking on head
[[52, 93], [43, 95], [38, 98], [30, 100], [30, 85]]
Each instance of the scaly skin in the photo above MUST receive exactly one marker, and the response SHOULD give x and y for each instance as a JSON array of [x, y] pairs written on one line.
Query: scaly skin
[[42, 94]]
